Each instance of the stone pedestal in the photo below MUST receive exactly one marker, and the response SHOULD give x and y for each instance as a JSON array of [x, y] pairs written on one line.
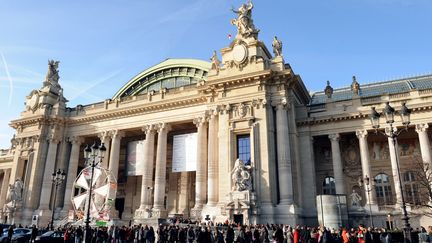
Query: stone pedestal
[[241, 203], [332, 210], [142, 214]]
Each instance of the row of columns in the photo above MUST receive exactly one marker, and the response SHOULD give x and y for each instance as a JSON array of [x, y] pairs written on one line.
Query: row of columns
[[361, 134], [206, 168]]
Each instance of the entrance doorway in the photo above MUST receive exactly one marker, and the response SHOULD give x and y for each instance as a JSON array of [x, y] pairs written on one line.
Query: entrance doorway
[[238, 219]]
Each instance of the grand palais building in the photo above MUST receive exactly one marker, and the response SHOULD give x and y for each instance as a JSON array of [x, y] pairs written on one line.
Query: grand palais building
[[239, 139]]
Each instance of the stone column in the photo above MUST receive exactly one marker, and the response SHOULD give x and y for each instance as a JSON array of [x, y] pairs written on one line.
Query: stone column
[[49, 169], [4, 188], [114, 160], [201, 168], [147, 177], [283, 155], [159, 210], [72, 171], [421, 129], [394, 165], [212, 172], [105, 138], [365, 162], [337, 164], [115, 154]]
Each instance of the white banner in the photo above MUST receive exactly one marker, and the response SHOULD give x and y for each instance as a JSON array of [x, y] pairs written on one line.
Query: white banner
[[184, 152], [135, 158]]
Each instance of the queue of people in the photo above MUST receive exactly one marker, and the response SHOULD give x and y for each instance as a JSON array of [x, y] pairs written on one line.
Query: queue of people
[[188, 232]]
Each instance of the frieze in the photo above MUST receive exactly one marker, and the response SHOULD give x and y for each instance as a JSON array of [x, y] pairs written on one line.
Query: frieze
[[127, 111]]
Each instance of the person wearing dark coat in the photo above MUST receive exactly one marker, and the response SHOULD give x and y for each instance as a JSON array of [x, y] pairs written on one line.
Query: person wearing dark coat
[[182, 235], [229, 238], [278, 235], [191, 235], [326, 236]]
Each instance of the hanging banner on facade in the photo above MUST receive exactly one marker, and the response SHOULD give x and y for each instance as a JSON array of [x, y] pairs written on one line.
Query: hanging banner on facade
[[184, 152], [135, 158]]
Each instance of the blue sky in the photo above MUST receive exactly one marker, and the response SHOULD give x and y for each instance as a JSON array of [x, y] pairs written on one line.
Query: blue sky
[[102, 44]]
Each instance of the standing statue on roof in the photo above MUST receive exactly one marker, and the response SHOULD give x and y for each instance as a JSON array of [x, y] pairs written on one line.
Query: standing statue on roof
[[215, 63], [244, 22], [277, 47]]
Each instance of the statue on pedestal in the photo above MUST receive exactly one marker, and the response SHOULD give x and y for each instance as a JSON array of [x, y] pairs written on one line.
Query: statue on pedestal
[[355, 199], [52, 75], [215, 63], [277, 47], [244, 22], [15, 191], [241, 176]]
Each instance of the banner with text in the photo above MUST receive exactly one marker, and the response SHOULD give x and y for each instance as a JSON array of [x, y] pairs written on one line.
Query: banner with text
[[135, 158], [184, 152]]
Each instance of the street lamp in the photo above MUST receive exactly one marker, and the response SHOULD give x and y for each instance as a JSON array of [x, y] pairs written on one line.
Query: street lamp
[[57, 179], [368, 187], [93, 156], [389, 113]]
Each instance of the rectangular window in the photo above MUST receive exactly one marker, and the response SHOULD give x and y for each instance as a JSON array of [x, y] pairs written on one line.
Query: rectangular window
[[243, 148]]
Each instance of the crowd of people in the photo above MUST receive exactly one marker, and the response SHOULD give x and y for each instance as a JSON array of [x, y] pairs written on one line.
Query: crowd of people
[[230, 233]]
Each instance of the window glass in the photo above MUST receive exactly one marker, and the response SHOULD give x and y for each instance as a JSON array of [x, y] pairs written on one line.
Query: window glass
[[329, 187], [383, 189], [243, 148]]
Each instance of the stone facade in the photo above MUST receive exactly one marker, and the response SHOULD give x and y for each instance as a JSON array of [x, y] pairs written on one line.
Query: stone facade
[[298, 141]]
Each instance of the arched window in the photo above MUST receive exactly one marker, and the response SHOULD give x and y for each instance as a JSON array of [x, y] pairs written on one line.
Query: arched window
[[383, 189], [411, 188], [329, 187]]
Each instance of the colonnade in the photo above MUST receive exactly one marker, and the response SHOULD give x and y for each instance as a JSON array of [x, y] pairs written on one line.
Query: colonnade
[[362, 134]]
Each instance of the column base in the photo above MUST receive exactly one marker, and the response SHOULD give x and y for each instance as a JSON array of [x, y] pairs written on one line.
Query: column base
[[286, 214], [158, 213], [44, 218], [196, 213], [142, 213]]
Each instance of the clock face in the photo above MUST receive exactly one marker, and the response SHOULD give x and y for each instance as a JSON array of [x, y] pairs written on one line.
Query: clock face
[[239, 53]]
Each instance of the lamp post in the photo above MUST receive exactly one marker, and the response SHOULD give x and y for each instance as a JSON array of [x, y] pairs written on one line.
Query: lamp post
[[93, 156], [389, 113], [368, 187], [57, 179]]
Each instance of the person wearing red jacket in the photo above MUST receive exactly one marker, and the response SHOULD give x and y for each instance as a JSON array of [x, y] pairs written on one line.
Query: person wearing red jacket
[[296, 234]]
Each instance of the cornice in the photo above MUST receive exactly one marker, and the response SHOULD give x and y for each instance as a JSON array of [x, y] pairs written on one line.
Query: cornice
[[235, 80], [135, 110], [39, 120], [345, 117]]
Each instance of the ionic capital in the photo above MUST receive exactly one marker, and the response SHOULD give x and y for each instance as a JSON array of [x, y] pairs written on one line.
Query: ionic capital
[[334, 137], [421, 127], [149, 129], [361, 133], [282, 104], [163, 127], [117, 134], [213, 112], [53, 139], [75, 140], [200, 121], [104, 135]]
